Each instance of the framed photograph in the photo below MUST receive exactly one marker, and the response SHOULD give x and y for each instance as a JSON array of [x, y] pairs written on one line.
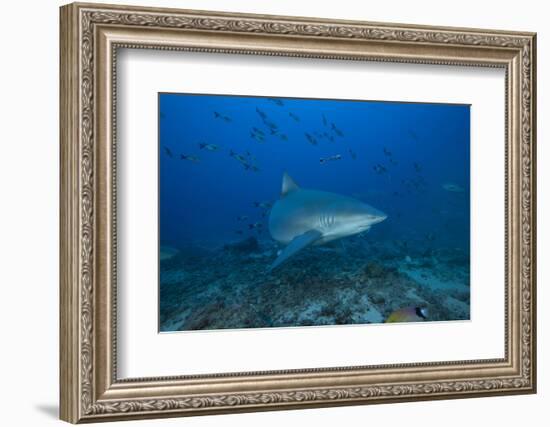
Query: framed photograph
[[266, 212], [231, 215]]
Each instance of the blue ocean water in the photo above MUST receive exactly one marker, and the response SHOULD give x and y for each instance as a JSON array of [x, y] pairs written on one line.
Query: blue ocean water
[[221, 163]]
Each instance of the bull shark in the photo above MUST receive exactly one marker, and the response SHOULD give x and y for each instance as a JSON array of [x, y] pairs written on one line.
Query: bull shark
[[301, 218]]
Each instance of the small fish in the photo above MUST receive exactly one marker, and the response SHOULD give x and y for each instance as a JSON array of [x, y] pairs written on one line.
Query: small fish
[[408, 314], [250, 156], [294, 117], [416, 183], [430, 237], [193, 159], [336, 130], [331, 138], [255, 225], [243, 161], [222, 117], [387, 152], [238, 157], [454, 188], [257, 137], [417, 167], [258, 131], [250, 167], [261, 113], [379, 169], [325, 123], [276, 101], [209, 147], [239, 232], [393, 161], [270, 125], [242, 218], [168, 152], [263, 205], [283, 137], [273, 131], [162, 115], [331, 158], [311, 139], [352, 154], [444, 212]]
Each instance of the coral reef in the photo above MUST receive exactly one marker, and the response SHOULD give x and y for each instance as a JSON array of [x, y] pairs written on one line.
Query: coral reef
[[167, 252], [357, 283], [248, 245]]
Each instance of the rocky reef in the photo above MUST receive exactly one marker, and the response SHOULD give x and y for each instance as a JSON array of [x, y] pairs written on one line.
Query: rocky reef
[[352, 282]]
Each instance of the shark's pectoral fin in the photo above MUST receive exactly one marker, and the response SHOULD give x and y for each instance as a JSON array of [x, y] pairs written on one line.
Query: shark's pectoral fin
[[298, 243]]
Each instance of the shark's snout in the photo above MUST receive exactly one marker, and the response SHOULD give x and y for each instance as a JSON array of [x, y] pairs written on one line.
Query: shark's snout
[[373, 215], [359, 217], [378, 218]]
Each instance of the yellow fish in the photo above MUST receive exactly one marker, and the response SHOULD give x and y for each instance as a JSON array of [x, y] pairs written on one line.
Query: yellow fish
[[408, 314]]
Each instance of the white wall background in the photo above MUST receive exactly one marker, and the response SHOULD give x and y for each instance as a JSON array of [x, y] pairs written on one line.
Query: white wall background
[[29, 170]]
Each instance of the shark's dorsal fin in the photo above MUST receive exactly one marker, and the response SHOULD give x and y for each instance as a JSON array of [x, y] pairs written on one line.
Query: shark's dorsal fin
[[288, 185]]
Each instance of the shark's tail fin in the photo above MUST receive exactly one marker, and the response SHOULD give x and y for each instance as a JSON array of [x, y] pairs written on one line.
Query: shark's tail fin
[[202, 145]]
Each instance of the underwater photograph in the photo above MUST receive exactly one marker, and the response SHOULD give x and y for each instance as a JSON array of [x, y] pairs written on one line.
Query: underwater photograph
[[294, 212]]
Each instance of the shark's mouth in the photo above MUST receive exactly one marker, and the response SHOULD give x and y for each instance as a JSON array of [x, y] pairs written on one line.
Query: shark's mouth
[[377, 219], [363, 228]]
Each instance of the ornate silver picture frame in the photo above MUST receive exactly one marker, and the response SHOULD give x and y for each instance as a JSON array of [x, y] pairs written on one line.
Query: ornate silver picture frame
[[91, 36]]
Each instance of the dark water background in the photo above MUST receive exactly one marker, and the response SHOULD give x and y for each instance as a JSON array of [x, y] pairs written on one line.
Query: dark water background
[[397, 157]]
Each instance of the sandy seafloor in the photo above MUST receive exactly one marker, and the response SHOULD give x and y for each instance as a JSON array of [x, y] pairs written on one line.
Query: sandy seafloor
[[352, 281]]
